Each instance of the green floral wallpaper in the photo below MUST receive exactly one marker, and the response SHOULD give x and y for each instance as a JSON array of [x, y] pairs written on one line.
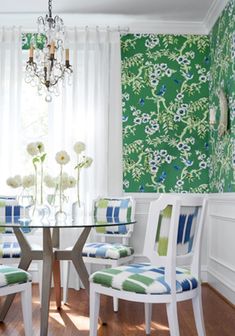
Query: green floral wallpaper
[[165, 113], [38, 39], [222, 40]]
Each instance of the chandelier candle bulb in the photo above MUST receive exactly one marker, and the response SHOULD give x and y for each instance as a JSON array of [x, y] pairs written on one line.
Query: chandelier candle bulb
[[67, 55], [52, 48], [31, 53]]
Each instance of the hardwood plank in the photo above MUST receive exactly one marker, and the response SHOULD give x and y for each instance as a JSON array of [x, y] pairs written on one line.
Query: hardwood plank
[[73, 319]]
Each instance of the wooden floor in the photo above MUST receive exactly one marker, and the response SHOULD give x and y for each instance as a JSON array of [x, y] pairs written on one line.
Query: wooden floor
[[72, 319]]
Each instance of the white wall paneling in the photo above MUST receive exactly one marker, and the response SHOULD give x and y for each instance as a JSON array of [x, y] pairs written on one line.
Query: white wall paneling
[[221, 247]]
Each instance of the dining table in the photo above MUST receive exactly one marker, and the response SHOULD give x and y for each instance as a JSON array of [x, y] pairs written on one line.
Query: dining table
[[51, 254]]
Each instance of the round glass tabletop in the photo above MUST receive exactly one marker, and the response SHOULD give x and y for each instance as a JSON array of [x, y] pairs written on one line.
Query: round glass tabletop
[[81, 222]]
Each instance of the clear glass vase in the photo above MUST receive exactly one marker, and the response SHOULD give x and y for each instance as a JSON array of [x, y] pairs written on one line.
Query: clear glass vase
[[78, 212], [57, 209], [25, 201]]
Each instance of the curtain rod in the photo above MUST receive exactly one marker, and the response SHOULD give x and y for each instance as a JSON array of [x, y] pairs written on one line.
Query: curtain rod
[[119, 29]]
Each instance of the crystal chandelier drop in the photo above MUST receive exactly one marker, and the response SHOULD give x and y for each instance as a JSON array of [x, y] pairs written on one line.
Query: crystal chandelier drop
[[48, 66]]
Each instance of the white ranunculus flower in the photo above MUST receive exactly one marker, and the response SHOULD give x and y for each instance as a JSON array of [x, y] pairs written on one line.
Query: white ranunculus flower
[[50, 181], [88, 162], [40, 147], [14, 182], [79, 147], [32, 149], [71, 182], [28, 181], [18, 180], [62, 157], [64, 181]]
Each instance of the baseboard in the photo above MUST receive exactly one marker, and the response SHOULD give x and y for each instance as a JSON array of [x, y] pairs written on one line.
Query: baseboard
[[221, 286]]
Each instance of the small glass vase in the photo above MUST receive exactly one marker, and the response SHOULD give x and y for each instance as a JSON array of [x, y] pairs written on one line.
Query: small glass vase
[[40, 213], [60, 217], [57, 211], [78, 212], [25, 201]]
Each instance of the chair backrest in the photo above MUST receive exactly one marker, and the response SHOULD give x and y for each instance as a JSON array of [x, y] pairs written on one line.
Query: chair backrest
[[173, 233], [11, 212], [114, 209]]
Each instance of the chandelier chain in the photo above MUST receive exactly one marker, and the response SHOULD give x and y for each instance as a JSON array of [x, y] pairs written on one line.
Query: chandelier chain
[[50, 8]]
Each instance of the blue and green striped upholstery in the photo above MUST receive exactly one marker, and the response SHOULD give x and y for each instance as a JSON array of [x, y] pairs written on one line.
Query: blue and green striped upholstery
[[11, 212], [106, 250], [143, 278], [113, 210], [12, 275], [186, 230], [10, 250]]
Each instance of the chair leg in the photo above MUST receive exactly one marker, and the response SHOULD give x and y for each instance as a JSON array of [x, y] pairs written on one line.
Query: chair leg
[[198, 314], [115, 304], [39, 263], [26, 301], [66, 280], [148, 317], [94, 311], [172, 316]]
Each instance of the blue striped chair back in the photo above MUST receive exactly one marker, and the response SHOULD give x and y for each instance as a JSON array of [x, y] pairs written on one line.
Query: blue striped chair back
[[186, 230], [114, 210]]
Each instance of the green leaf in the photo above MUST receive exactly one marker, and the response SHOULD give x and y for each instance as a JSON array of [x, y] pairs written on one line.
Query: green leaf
[[35, 160], [43, 157]]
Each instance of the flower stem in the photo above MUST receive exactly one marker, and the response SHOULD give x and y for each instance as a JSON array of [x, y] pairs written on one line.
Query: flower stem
[[61, 171], [41, 191], [78, 177], [36, 185]]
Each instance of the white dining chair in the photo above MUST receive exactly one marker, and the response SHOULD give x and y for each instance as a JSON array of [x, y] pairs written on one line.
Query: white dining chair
[[102, 251], [14, 280], [172, 245], [10, 253]]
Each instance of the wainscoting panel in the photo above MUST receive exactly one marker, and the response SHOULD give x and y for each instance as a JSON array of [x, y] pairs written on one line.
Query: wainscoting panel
[[221, 244]]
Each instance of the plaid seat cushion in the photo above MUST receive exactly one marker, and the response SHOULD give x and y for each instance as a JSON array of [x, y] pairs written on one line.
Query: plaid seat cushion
[[143, 279], [106, 250], [12, 275]]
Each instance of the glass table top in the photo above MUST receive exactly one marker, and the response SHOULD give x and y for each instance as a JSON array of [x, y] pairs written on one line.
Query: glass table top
[[81, 222]]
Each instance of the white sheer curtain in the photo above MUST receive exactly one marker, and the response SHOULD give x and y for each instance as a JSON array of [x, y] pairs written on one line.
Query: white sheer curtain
[[86, 110], [10, 101], [89, 110]]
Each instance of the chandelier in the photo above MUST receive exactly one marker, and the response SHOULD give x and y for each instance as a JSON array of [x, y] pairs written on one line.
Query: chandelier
[[49, 66]]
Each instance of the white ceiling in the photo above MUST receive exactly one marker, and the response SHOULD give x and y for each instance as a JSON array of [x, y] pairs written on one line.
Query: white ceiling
[[176, 10], [163, 16]]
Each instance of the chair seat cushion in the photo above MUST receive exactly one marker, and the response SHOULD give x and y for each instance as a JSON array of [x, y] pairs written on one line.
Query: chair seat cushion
[[12, 275], [143, 279], [12, 249], [106, 250]]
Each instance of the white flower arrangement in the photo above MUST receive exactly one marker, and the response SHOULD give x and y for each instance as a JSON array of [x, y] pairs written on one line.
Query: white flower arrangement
[[37, 151], [17, 181], [82, 162]]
